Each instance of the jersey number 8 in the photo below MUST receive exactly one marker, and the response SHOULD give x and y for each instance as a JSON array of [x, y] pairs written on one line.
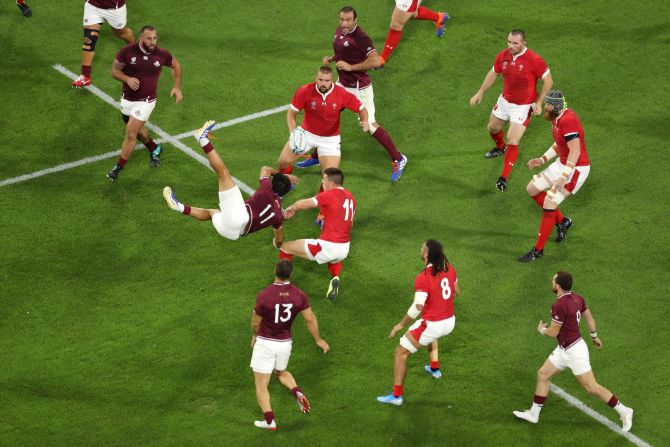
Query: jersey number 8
[[446, 290]]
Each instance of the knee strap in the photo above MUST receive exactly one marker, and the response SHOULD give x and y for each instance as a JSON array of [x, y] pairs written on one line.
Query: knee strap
[[90, 39]]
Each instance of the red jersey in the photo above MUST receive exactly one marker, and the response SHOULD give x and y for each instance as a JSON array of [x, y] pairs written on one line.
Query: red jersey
[[520, 75], [107, 4], [322, 110], [144, 66], [352, 48], [278, 305], [567, 126], [440, 292], [338, 207], [567, 311], [264, 208]]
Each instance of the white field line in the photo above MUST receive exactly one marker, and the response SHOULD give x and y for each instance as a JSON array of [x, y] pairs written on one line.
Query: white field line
[[573, 401]]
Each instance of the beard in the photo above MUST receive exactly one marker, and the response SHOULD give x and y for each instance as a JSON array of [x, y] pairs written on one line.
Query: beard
[[323, 89]]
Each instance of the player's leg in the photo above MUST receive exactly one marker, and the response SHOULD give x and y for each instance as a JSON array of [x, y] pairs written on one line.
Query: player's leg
[[544, 375], [588, 381], [293, 248], [407, 346], [286, 159], [91, 33], [514, 134], [133, 127], [226, 181], [552, 199], [562, 223], [433, 354], [125, 33], [398, 20], [495, 129], [287, 379], [117, 19], [438, 18], [261, 381], [25, 9], [153, 148]]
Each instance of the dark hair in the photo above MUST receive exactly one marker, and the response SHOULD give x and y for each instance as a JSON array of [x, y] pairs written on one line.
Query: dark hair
[[147, 28], [281, 184], [284, 269], [564, 280], [325, 69], [335, 175], [349, 9], [518, 32], [436, 256]]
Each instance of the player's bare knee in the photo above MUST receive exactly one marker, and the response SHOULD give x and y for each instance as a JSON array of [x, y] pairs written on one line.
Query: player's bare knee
[[542, 376]]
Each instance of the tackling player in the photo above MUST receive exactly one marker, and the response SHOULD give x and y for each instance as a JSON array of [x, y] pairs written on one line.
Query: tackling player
[[235, 217], [571, 352], [354, 54], [276, 308], [403, 11], [520, 68], [564, 177], [435, 289], [97, 12], [337, 205]]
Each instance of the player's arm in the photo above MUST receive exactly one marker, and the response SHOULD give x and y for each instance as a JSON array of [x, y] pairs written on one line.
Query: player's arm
[[313, 328], [267, 171], [328, 59], [119, 75], [255, 326], [548, 155], [412, 313], [591, 324], [547, 83], [363, 119], [278, 238], [291, 119], [176, 79], [490, 78], [300, 205], [573, 156], [370, 62], [551, 331]]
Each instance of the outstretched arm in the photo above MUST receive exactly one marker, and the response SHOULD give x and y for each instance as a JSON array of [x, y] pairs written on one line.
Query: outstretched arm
[[300, 205]]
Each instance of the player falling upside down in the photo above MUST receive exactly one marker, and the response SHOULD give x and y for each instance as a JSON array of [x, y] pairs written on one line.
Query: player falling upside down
[[562, 178], [354, 54], [521, 68], [323, 102], [403, 12], [25, 9], [337, 205], [571, 352], [235, 217], [276, 308], [435, 289]]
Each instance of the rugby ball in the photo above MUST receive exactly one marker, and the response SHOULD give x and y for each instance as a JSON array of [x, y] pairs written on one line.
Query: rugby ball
[[298, 141]]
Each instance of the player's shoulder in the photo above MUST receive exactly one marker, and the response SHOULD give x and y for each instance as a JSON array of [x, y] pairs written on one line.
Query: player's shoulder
[[530, 54], [503, 54]]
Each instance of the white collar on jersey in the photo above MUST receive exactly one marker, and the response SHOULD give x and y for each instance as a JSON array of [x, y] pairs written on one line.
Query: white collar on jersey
[[520, 54], [324, 95], [282, 283], [560, 115], [563, 294]]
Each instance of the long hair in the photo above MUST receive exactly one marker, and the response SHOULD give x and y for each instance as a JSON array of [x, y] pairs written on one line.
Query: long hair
[[436, 256]]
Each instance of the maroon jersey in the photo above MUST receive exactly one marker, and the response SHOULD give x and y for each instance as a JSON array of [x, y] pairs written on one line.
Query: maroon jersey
[[322, 110], [520, 74], [144, 66], [352, 48], [107, 4], [278, 305], [338, 207], [264, 208], [567, 311], [567, 126], [439, 290]]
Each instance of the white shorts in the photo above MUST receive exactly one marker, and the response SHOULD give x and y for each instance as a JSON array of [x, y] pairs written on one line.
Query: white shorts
[[576, 357], [326, 146], [233, 218], [270, 355], [407, 5], [426, 332], [116, 17], [545, 179], [514, 113], [365, 95], [140, 110], [325, 251]]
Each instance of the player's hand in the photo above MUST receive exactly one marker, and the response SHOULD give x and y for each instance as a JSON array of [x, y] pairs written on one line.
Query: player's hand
[[341, 65], [541, 326], [560, 182], [476, 99], [397, 328], [294, 180], [289, 213], [598, 344], [537, 108], [253, 340], [534, 162], [276, 244], [364, 125], [176, 92], [326, 60], [323, 345], [133, 83]]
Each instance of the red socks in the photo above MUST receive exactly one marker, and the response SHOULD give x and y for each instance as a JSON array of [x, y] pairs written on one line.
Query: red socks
[[150, 145], [548, 220], [385, 140], [397, 390], [434, 365], [613, 402], [498, 138], [539, 199], [86, 70], [122, 161], [427, 14], [295, 391], [209, 147], [287, 170], [269, 416], [284, 255], [187, 209], [510, 158], [335, 268], [539, 400], [392, 41]]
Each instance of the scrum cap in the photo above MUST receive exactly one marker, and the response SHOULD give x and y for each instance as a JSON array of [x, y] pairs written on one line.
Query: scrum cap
[[556, 99]]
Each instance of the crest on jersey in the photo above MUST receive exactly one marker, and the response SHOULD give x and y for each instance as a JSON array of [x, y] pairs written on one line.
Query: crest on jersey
[[520, 67], [346, 43], [157, 64], [334, 105], [314, 104], [132, 60], [504, 65]]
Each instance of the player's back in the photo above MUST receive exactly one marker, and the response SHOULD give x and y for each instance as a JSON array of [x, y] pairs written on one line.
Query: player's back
[[278, 305], [338, 207], [441, 290], [264, 208]]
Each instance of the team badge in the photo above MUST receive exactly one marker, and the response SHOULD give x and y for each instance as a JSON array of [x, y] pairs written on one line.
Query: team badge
[[314, 104], [132, 60], [157, 64], [504, 65], [346, 43]]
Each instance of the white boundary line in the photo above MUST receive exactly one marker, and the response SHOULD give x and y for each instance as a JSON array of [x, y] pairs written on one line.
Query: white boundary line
[[165, 137], [581, 406]]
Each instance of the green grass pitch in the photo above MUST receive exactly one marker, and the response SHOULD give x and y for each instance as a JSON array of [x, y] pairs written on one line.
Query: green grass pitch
[[125, 324]]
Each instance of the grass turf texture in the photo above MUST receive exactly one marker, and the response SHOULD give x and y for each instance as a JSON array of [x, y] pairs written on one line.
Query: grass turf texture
[[123, 323]]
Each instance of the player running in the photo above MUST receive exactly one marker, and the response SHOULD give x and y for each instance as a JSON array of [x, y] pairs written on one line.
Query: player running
[[435, 289]]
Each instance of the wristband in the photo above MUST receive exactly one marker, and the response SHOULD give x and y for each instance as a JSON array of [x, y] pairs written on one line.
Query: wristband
[[542, 331], [413, 312], [593, 334], [551, 153]]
